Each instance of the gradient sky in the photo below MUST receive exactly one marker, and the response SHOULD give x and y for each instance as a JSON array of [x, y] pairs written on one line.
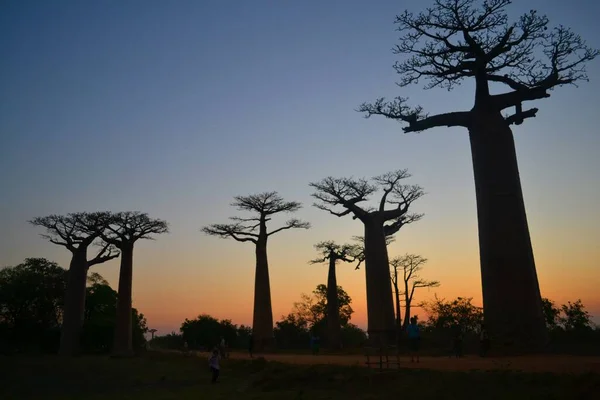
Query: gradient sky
[[173, 108]]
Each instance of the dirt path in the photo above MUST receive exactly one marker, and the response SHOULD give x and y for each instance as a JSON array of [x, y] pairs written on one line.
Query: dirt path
[[549, 363]]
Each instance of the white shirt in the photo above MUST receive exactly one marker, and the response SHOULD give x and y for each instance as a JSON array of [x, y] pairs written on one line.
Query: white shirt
[[213, 361]]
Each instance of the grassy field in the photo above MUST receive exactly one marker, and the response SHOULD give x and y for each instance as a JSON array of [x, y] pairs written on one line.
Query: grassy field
[[173, 376]]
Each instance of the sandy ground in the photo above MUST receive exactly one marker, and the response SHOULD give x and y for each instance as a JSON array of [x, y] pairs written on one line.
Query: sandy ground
[[546, 363]]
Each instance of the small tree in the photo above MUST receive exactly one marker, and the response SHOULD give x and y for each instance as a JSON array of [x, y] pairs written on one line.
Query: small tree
[[456, 40], [409, 265], [331, 253], [461, 312], [379, 223], [575, 317], [123, 231], [254, 230], [76, 232], [551, 314]]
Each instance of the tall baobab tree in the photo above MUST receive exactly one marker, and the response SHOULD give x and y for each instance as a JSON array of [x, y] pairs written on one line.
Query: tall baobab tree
[[458, 39], [124, 230], [331, 253], [379, 223], [409, 266], [254, 229], [76, 232]]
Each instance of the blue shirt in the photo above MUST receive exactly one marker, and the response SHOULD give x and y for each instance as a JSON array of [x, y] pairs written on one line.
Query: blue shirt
[[413, 331]]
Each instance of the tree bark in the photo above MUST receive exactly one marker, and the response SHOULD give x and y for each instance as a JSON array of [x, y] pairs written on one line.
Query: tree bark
[[380, 305], [262, 322], [398, 311], [74, 309], [333, 308], [123, 345], [511, 294]]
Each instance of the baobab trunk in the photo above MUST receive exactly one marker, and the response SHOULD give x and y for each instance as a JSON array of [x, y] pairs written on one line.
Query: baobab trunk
[[333, 309], [406, 314], [380, 306], [511, 294], [398, 311], [70, 335], [123, 345], [262, 322]]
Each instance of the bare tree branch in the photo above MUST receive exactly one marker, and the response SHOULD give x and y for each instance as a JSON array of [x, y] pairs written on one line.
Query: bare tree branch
[[291, 224], [415, 118], [344, 192], [106, 253], [126, 227], [329, 250], [360, 248], [238, 232], [458, 39]]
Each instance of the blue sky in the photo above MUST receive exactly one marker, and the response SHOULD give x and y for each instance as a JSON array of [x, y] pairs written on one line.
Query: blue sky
[[175, 107]]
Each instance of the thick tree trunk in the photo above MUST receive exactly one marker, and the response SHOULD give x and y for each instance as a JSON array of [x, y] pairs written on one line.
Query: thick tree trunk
[[123, 345], [511, 294], [398, 312], [262, 322], [380, 304], [333, 309], [74, 309], [406, 314]]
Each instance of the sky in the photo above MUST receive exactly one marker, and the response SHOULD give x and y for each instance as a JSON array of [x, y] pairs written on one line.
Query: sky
[[174, 108]]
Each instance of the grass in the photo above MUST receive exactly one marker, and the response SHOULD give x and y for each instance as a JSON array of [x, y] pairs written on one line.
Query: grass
[[172, 376]]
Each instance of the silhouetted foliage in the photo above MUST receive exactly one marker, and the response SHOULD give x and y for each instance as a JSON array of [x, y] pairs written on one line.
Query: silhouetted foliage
[[575, 317], [551, 313], [460, 312], [31, 309], [309, 316], [205, 332]]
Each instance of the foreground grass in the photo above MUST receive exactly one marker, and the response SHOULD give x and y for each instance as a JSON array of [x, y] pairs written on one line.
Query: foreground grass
[[172, 376]]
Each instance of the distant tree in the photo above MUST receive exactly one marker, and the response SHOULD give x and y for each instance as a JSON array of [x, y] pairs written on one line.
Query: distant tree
[[378, 223], [409, 266], [331, 253], [444, 315], [575, 317], [551, 313], [458, 39], [173, 341], [76, 232], [31, 304], [123, 231], [254, 229], [291, 332], [205, 332], [99, 323]]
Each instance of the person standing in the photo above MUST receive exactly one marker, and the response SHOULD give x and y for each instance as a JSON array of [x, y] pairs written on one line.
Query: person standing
[[250, 345], [414, 339], [213, 363]]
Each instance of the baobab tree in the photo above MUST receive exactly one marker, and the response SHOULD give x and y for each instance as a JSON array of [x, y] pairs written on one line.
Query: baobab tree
[[379, 223], [458, 39], [76, 232], [254, 230], [331, 253], [124, 230], [409, 266]]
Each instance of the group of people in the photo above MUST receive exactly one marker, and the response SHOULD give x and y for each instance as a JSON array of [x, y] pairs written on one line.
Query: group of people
[[414, 343]]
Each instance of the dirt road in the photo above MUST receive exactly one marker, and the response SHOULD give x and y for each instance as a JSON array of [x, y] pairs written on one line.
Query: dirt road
[[546, 363]]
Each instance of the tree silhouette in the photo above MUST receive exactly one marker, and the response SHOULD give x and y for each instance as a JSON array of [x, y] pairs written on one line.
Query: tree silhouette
[[378, 224], [331, 253], [254, 229], [409, 265], [76, 232], [124, 229], [458, 39]]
